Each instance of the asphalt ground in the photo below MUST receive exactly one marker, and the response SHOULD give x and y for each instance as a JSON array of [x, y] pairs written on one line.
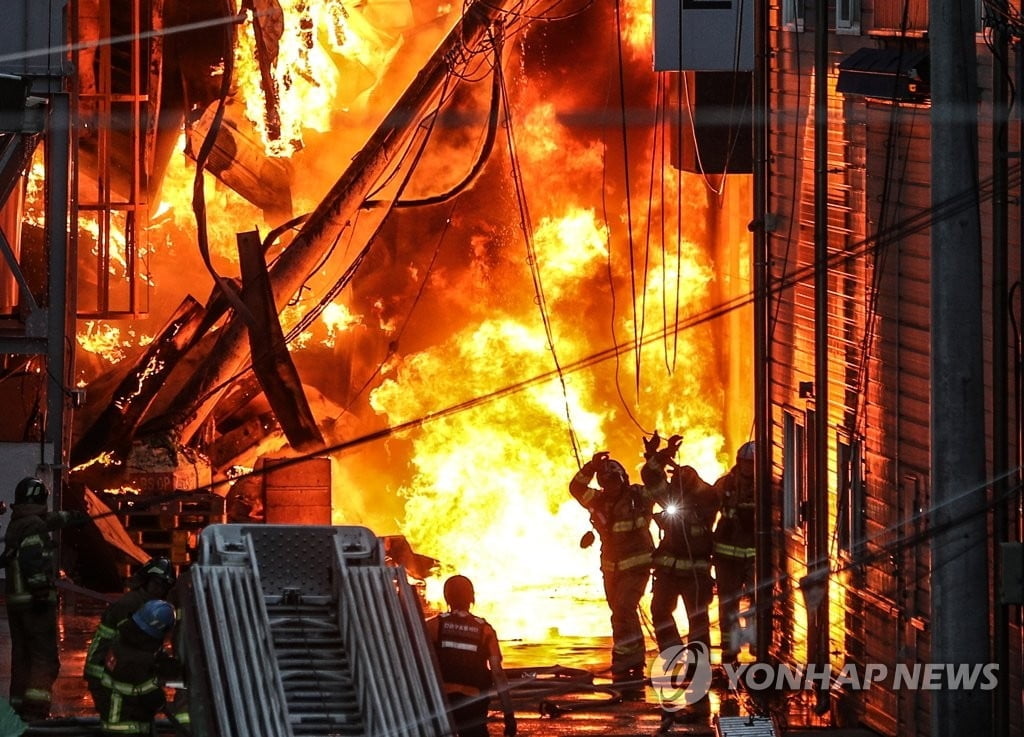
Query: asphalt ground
[[561, 688]]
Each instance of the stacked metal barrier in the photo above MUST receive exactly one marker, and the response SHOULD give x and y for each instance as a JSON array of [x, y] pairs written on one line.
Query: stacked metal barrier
[[381, 617], [294, 630]]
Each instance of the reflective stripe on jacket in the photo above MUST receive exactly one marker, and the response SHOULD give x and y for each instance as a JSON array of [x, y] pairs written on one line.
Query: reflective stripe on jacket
[[623, 522]]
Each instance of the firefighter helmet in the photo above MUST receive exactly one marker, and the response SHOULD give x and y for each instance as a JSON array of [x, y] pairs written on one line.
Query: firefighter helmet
[[458, 592], [155, 618], [746, 452], [30, 490], [611, 471], [160, 569]]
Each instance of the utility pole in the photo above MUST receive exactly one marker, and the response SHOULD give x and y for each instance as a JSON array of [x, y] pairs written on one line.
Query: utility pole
[[1000, 358], [959, 585]]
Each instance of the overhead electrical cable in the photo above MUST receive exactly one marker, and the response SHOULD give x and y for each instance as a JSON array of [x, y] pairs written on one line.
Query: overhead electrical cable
[[532, 259], [627, 185]]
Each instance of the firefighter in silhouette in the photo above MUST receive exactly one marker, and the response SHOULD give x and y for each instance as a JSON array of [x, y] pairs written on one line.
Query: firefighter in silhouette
[[734, 546], [470, 662], [682, 561], [621, 513], [153, 581], [132, 671], [31, 590]]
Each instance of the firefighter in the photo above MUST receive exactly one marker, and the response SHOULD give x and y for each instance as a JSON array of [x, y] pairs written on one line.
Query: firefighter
[[131, 671], [621, 513], [31, 591], [682, 563], [153, 581], [470, 661], [734, 546]]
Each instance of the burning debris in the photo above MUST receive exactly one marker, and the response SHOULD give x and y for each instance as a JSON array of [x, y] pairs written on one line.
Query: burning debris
[[508, 330]]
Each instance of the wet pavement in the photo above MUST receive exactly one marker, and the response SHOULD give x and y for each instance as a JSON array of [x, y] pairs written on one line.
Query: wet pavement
[[563, 685]]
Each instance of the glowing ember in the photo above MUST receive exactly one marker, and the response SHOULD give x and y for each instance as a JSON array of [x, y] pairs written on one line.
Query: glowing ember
[[106, 340], [103, 459]]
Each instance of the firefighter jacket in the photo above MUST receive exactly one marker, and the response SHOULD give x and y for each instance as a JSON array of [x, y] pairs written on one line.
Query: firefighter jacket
[[112, 618], [130, 675], [29, 553], [464, 644], [622, 519], [734, 534], [689, 507]]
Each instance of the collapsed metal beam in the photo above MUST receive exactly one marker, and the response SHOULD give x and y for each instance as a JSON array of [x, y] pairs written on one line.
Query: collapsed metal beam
[[271, 361], [333, 214]]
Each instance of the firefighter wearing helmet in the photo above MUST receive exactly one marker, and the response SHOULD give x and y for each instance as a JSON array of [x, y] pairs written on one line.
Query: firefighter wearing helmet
[[469, 659], [153, 581], [734, 545], [682, 564], [31, 589], [132, 671], [621, 513]]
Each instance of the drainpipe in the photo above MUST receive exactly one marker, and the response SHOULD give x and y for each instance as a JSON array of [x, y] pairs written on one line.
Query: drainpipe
[[818, 559], [762, 344]]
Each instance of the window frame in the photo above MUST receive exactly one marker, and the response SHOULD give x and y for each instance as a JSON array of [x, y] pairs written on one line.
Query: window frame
[[793, 15], [850, 494], [794, 472], [849, 23]]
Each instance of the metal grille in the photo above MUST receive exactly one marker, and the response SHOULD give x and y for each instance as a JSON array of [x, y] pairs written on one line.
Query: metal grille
[[744, 727], [315, 670]]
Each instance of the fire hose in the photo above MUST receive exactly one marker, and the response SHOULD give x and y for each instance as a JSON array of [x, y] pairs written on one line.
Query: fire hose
[[561, 690], [83, 727]]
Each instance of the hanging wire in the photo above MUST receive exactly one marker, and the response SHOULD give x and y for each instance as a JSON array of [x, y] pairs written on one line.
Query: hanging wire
[[531, 256], [413, 150], [624, 129], [627, 406]]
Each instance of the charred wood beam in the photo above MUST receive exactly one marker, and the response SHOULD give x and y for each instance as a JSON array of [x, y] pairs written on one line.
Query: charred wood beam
[[114, 429], [234, 444], [268, 27], [338, 208], [271, 361]]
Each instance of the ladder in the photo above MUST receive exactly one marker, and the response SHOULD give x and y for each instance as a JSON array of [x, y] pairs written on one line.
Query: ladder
[[296, 630]]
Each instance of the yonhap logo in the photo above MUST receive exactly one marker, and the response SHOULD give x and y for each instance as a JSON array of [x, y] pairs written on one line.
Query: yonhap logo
[[681, 675]]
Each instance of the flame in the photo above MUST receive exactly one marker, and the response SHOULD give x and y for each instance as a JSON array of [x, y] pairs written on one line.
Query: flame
[[638, 26], [123, 490], [314, 71], [337, 318], [489, 497], [489, 482], [105, 340], [106, 458], [227, 212], [34, 204], [487, 489]]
